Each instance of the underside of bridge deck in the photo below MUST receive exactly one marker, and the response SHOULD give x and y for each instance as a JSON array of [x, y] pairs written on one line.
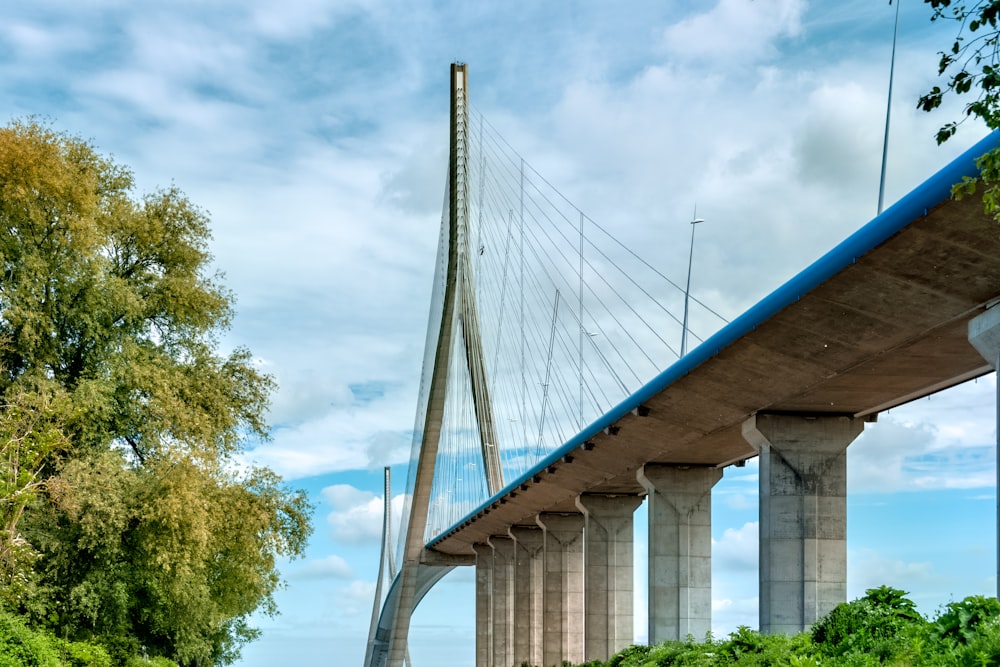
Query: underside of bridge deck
[[886, 329]]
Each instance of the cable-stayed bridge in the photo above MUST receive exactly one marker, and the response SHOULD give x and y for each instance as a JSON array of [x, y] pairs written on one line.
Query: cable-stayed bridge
[[554, 399]]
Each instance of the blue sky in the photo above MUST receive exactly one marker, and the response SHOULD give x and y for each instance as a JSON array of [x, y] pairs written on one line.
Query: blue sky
[[314, 132]]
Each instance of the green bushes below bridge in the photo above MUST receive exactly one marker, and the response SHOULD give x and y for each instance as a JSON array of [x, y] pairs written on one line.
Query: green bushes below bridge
[[881, 628]]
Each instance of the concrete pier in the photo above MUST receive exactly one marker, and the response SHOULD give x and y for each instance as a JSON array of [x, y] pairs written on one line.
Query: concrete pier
[[529, 564], [680, 549], [984, 334], [502, 606], [563, 601], [803, 515], [608, 569], [484, 605]]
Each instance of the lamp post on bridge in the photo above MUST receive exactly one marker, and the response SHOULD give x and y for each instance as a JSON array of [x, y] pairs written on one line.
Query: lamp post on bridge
[[687, 289]]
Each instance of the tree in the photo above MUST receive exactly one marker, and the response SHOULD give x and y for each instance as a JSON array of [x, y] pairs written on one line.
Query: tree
[[30, 434], [971, 66], [107, 308]]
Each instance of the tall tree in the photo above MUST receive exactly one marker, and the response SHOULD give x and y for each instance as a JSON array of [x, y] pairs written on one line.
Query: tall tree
[[971, 67], [107, 303]]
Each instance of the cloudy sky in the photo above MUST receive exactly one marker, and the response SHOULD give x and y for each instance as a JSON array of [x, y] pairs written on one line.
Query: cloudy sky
[[314, 132]]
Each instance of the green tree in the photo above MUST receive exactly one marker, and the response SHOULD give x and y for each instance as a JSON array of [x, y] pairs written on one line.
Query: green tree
[[30, 435], [971, 67], [110, 318]]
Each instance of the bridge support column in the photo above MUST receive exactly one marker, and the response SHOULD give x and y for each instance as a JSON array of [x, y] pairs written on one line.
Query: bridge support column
[[529, 586], [608, 566], [803, 516], [503, 599], [484, 605], [984, 334], [680, 550], [562, 598]]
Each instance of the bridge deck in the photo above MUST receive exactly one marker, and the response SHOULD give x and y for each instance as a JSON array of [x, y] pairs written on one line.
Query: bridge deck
[[879, 321]]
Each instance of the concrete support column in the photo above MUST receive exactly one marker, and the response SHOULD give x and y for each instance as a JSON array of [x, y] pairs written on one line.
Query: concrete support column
[[503, 600], [562, 599], [803, 516], [984, 334], [529, 586], [680, 550], [607, 568], [484, 605]]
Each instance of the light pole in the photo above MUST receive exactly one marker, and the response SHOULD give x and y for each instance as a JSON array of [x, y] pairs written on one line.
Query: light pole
[[687, 290], [888, 109]]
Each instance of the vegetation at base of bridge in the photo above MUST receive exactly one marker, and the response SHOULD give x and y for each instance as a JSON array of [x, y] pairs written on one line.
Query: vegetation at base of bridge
[[881, 628], [131, 530]]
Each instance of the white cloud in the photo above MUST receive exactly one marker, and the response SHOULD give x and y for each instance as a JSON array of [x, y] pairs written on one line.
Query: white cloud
[[945, 442], [330, 567], [355, 599], [356, 516], [737, 551], [729, 614], [35, 42], [735, 30], [296, 18], [869, 569], [739, 501]]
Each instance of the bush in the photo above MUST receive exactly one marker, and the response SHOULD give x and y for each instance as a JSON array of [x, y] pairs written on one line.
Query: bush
[[961, 621], [22, 647], [158, 661], [871, 625], [881, 628], [84, 654], [633, 656]]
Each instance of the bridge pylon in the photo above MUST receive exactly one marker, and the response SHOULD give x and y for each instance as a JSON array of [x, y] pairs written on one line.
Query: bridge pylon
[[455, 319]]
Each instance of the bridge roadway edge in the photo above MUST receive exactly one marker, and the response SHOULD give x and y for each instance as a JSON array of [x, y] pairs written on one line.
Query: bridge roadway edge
[[604, 452]]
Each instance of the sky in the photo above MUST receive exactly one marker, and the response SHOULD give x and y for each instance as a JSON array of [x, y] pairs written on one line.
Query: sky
[[314, 133]]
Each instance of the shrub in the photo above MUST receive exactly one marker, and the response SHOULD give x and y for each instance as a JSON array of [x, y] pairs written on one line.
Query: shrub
[[633, 656], [960, 621], [158, 661], [84, 654], [21, 647], [870, 625]]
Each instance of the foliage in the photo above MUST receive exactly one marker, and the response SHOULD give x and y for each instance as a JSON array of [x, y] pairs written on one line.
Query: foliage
[[30, 435], [149, 662], [108, 296], [631, 656], [971, 64], [83, 654], [881, 628], [961, 621], [22, 647], [971, 67], [869, 624], [121, 423]]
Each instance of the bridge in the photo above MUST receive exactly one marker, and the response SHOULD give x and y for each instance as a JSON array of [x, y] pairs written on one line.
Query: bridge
[[553, 403]]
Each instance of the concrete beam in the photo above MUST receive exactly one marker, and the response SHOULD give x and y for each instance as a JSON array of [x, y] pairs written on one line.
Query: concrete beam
[[608, 566], [680, 550], [529, 587], [803, 516], [562, 599], [503, 600]]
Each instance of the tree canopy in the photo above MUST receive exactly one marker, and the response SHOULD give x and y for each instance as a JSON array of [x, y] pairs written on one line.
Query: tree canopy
[[971, 67], [121, 422]]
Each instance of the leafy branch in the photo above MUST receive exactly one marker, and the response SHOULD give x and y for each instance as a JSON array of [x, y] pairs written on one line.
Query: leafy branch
[[970, 65]]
